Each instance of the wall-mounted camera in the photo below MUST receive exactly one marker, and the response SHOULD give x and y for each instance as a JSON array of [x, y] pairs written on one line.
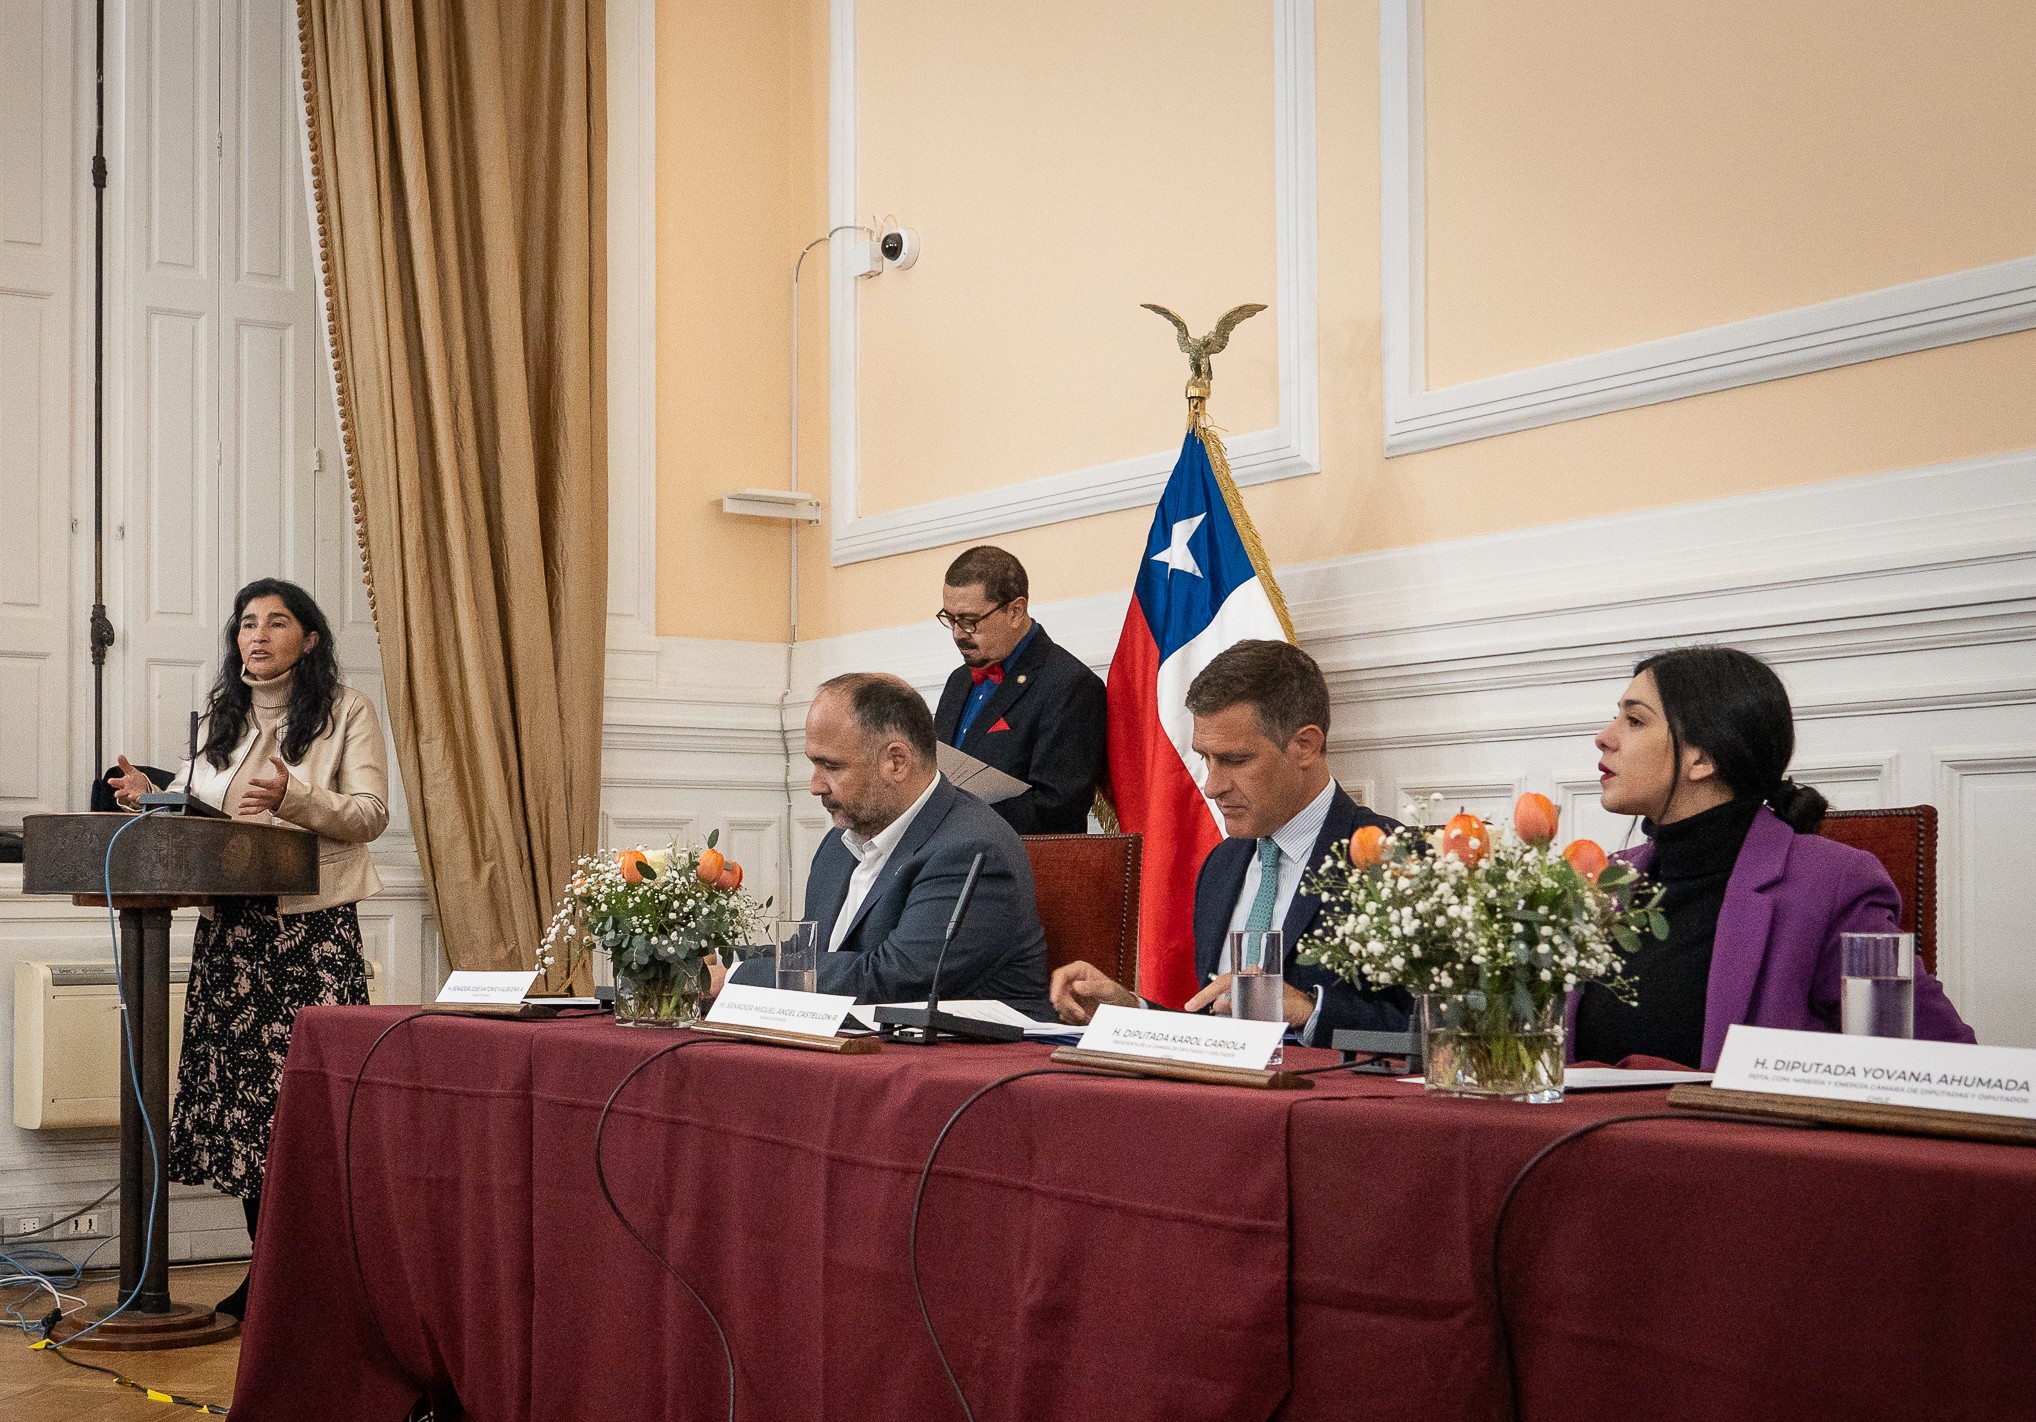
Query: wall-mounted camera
[[900, 246]]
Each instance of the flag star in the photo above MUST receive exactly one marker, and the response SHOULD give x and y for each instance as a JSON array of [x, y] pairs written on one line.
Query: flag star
[[1176, 554]]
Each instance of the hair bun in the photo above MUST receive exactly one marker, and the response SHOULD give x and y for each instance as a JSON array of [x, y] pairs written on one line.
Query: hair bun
[[1801, 807]]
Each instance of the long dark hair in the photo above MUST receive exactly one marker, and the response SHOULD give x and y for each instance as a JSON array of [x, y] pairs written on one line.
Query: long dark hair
[[1731, 706], [314, 691]]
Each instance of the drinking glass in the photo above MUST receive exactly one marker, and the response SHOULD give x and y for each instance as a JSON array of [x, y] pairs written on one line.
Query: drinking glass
[[1879, 993], [1257, 989], [799, 955]]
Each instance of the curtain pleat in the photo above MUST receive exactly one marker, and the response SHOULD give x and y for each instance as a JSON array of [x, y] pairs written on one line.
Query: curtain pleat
[[458, 151]]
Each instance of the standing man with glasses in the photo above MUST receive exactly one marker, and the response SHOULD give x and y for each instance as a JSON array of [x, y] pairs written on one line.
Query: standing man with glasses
[[1019, 702]]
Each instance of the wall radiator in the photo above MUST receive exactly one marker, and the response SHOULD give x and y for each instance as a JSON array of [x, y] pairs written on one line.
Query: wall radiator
[[67, 1041]]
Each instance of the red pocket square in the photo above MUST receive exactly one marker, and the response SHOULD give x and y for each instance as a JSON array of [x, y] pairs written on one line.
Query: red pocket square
[[1002, 725]]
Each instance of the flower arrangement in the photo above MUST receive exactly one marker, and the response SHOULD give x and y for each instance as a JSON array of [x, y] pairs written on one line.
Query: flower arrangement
[[660, 915], [1491, 928]]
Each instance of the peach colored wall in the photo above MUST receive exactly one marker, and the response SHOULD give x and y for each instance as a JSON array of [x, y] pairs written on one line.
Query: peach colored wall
[[950, 143], [1016, 348], [1813, 150], [740, 174]]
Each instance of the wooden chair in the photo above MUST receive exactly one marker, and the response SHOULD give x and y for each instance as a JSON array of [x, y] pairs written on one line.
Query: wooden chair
[[1905, 842], [1087, 887]]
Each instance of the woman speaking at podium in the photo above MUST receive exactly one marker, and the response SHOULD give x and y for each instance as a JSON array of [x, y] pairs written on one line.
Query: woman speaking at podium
[[283, 743]]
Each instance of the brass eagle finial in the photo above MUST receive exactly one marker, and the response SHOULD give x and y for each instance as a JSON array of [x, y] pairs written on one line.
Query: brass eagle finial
[[1199, 351]]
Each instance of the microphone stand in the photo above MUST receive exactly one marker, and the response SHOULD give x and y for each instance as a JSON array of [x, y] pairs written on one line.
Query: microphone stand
[[183, 800], [924, 1026]]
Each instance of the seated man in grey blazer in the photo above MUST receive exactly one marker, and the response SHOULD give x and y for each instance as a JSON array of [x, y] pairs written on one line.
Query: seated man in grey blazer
[[884, 886]]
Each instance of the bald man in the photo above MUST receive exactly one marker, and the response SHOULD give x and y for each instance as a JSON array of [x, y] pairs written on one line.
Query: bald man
[[884, 885]]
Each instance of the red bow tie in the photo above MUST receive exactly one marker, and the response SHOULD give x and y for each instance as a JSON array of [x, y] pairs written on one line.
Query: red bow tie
[[994, 672]]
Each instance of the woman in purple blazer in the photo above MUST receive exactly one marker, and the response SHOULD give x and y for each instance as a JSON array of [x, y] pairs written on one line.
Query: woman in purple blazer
[[1755, 901]]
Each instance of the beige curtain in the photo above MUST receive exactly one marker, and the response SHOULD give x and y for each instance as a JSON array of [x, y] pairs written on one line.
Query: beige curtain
[[457, 152]]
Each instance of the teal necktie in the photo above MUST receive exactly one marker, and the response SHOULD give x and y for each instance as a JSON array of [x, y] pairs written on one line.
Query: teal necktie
[[1260, 918]]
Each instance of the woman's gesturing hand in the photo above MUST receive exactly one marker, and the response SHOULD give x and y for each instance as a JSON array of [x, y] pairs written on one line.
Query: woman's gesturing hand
[[264, 797], [129, 786]]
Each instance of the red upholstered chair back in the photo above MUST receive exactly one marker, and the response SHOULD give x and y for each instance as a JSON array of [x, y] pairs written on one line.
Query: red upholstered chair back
[[1905, 842], [1088, 900]]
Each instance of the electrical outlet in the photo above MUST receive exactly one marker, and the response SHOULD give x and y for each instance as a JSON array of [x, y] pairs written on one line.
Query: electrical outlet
[[24, 1224], [83, 1227]]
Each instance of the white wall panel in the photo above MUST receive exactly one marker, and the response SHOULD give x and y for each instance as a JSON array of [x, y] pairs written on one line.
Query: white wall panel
[[179, 395], [179, 83], [21, 767], [26, 115], [37, 306], [27, 346], [1988, 960]]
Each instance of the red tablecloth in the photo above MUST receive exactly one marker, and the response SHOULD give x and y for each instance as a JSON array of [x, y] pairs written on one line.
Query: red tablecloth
[[1093, 1248]]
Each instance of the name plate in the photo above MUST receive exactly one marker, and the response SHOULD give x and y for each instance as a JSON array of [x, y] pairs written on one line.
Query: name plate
[[811, 1014], [1182, 1037], [496, 988], [1888, 1071]]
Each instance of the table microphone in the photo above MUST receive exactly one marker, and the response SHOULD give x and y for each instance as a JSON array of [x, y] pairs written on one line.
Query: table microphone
[[923, 1026]]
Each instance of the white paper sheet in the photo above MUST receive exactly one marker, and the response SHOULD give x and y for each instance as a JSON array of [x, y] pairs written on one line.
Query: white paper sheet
[[985, 782]]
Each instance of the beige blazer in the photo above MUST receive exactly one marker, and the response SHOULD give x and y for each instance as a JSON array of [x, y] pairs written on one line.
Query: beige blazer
[[339, 791]]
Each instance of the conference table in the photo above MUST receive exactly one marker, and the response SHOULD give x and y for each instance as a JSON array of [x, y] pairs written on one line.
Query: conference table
[[1088, 1247]]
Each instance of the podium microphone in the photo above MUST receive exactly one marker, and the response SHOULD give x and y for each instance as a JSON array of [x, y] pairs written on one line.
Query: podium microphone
[[923, 1026], [183, 799]]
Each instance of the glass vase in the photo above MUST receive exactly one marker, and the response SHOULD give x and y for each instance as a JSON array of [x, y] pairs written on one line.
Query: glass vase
[[1502, 1046], [660, 994]]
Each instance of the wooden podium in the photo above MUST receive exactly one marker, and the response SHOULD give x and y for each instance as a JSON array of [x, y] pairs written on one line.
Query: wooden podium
[[163, 863]]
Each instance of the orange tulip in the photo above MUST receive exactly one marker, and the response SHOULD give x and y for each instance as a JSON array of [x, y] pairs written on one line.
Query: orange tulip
[[710, 866], [730, 877], [1368, 846], [631, 862], [1535, 817], [1465, 837], [1586, 858]]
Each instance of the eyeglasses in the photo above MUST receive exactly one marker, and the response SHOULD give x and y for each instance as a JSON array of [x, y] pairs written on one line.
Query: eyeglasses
[[967, 623]]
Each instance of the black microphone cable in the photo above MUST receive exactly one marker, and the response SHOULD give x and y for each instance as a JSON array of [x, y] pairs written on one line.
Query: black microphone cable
[[926, 1174], [353, 1233], [919, 1201], [1506, 1352], [601, 1175]]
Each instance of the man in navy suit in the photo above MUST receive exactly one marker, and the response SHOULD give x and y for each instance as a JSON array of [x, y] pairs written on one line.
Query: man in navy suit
[[1261, 712], [885, 883], [1019, 701]]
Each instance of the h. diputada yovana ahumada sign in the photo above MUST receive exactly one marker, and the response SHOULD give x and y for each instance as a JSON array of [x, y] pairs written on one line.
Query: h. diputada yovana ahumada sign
[[1890, 1071]]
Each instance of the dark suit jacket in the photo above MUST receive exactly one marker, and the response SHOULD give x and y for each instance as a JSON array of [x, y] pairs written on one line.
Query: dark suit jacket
[[1051, 706], [1344, 1007], [1774, 957], [889, 953]]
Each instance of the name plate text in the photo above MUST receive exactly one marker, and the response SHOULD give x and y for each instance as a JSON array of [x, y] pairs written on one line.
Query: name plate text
[[1182, 1037], [811, 1014], [505, 989], [1889, 1071]]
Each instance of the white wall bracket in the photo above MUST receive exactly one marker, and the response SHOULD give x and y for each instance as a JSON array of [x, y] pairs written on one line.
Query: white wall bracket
[[772, 503]]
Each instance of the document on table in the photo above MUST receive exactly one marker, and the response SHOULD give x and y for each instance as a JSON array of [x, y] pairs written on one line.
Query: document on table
[[1612, 1078], [1609, 1078], [985, 782], [983, 1009]]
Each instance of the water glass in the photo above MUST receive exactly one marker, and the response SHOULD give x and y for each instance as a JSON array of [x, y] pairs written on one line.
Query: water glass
[[1257, 989], [799, 955], [1879, 994]]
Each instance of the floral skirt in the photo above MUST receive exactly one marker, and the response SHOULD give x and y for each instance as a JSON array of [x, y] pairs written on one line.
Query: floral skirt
[[251, 969]]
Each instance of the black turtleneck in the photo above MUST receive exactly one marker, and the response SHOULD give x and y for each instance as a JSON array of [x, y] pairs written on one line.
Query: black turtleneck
[[1693, 861]]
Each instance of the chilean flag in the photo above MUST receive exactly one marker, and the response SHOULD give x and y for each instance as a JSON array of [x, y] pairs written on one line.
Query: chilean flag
[[1199, 589]]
